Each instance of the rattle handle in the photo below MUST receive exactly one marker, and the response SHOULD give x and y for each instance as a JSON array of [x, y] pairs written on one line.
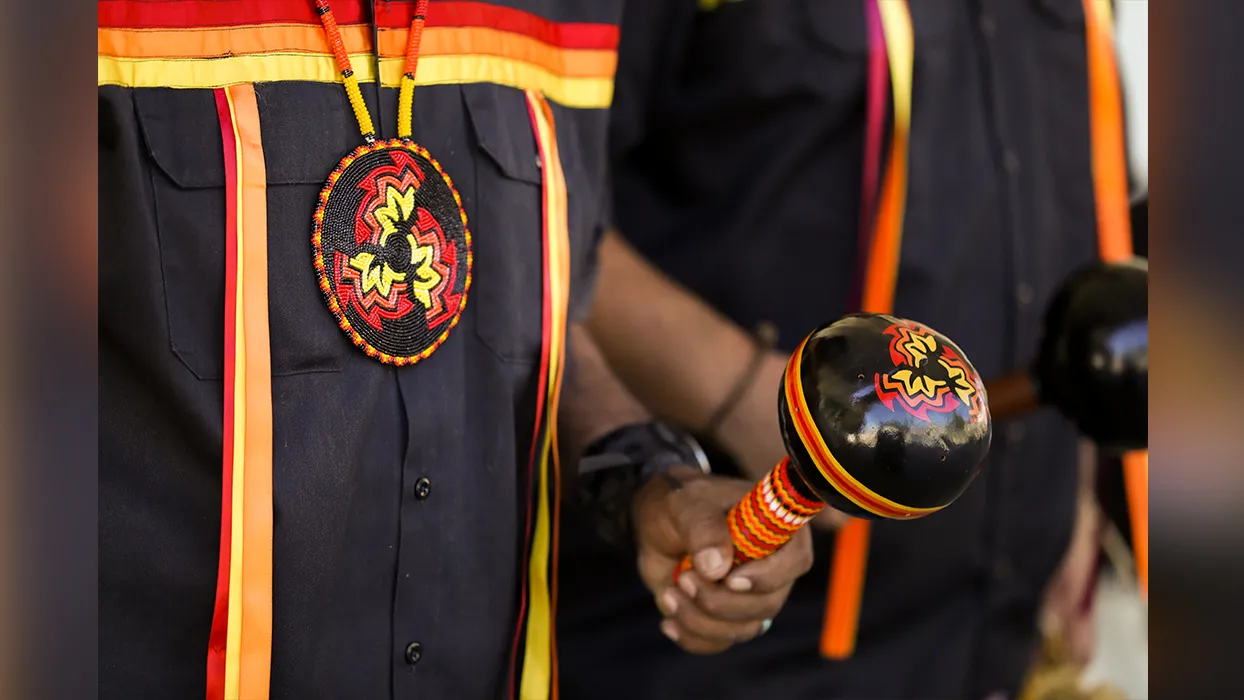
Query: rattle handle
[[1012, 395], [768, 516]]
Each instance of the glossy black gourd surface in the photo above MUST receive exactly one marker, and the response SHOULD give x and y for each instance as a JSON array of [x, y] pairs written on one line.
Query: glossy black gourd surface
[[1093, 363], [897, 405]]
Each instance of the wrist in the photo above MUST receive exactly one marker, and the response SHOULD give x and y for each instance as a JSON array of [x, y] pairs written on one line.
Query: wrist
[[659, 486], [751, 434], [618, 467], [762, 341]]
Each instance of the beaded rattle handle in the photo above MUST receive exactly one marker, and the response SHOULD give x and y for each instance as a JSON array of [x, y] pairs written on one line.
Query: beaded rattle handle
[[768, 516]]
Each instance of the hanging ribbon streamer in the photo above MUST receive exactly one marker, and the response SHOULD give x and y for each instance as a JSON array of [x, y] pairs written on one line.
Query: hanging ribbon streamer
[[875, 116], [846, 583], [240, 645], [1114, 226], [538, 676]]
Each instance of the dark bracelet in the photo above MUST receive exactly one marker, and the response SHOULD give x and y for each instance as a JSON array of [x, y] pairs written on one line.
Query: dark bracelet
[[765, 338], [615, 467]]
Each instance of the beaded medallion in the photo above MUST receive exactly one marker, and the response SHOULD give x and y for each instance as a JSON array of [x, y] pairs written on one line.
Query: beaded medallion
[[392, 250]]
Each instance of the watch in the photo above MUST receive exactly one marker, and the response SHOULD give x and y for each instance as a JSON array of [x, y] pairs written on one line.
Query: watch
[[614, 467]]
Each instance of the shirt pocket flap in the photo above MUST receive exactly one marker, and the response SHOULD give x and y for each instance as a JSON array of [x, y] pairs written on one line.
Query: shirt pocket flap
[[183, 137], [492, 113]]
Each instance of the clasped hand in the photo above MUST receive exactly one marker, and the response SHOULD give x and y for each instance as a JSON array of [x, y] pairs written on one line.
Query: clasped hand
[[712, 607]]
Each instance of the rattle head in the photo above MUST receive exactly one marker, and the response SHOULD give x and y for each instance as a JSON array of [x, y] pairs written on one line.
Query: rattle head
[[1093, 365], [884, 417]]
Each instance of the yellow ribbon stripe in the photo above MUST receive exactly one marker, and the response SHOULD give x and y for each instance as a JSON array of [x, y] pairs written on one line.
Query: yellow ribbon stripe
[[540, 656], [846, 585], [584, 92], [248, 649], [234, 637]]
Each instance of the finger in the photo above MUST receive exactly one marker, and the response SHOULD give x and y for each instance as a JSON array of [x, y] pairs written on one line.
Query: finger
[[655, 569], [721, 603], [830, 520], [776, 571], [690, 642], [702, 523], [695, 622]]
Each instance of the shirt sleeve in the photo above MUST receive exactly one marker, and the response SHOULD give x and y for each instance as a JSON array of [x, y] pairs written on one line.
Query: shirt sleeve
[[650, 51]]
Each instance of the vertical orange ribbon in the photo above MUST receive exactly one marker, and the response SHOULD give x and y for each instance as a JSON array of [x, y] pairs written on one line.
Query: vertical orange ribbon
[[240, 646], [1114, 225], [538, 676], [846, 583]]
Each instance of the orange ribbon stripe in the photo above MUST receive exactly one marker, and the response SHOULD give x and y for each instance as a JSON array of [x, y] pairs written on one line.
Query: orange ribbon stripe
[[1114, 226], [256, 637], [846, 582], [239, 665], [217, 42], [538, 676]]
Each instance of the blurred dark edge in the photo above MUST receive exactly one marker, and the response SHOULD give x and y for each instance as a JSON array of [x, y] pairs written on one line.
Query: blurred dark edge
[[1196, 112], [48, 630]]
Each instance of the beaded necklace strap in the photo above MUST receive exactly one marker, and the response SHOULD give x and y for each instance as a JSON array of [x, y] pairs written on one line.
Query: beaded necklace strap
[[406, 96]]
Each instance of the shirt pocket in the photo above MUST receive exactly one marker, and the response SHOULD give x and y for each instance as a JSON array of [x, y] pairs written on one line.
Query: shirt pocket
[[181, 130], [507, 235]]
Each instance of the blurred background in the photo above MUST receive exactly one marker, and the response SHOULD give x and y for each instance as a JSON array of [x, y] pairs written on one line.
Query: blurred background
[[1121, 653]]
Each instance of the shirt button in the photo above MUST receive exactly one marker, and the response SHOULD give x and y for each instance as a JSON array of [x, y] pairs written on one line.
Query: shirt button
[[423, 487], [988, 28], [413, 652], [1010, 161], [1024, 293]]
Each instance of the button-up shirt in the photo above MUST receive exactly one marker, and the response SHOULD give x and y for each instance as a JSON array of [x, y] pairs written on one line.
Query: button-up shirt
[[737, 146], [398, 493]]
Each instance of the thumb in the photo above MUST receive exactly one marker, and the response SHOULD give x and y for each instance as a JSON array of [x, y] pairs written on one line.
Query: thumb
[[704, 530]]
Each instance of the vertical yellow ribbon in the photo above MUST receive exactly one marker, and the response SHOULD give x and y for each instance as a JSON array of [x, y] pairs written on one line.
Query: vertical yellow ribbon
[[248, 655], [846, 583], [539, 659]]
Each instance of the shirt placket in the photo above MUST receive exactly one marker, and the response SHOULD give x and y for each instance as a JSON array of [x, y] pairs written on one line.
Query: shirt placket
[[1019, 336]]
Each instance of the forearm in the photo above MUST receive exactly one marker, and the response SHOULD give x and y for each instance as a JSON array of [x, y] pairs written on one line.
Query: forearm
[[679, 356], [674, 352], [593, 402]]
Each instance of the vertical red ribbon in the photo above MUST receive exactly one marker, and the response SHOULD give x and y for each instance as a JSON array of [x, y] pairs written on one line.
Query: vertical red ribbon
[[220, 614], [535, 678]]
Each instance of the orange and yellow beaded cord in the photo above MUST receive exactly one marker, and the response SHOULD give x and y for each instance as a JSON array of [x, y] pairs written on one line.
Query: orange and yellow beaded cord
[[406, 96]]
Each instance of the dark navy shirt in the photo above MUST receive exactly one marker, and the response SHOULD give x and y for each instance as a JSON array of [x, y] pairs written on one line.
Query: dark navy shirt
[[398, 493], [737, 144]]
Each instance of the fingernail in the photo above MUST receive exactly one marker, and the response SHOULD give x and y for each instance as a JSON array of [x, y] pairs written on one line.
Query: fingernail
[[739, 584], [669, 601], [669, 629], [710, 562], [688, 587]]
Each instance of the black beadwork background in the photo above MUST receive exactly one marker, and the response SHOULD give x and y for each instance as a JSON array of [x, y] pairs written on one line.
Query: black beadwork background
[[410, 334]]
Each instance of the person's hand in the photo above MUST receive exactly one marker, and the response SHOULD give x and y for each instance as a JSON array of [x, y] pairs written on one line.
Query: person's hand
[[752, 437], [712, 607], [1067, 612]]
